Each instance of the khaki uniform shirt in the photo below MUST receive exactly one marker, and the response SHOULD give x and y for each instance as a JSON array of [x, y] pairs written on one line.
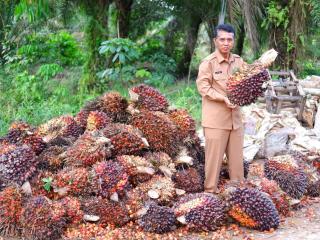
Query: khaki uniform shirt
[[213, 75]]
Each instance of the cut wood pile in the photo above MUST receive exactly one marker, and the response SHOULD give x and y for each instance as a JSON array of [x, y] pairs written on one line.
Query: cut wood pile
[[134, 169]]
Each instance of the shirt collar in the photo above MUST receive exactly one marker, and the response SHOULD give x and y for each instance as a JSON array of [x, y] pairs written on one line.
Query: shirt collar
[[221, 58]]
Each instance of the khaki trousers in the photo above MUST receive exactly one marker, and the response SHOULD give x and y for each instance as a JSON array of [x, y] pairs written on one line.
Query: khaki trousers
[[218, 142]]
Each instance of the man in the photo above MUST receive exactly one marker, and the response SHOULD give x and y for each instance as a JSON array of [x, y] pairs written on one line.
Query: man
[[221, 120]]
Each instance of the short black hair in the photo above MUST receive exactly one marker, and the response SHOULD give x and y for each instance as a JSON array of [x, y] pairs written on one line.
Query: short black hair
[[224, 27]]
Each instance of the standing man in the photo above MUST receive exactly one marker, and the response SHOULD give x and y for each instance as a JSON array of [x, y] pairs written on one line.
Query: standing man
[[221, 121]]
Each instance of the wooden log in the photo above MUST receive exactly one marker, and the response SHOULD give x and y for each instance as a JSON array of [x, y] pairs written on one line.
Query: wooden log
[[288, 98], [293, 76], [280, 73], [312, 91]]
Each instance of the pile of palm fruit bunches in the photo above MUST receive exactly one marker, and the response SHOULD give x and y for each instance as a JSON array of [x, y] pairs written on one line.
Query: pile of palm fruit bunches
[[248, 83], [133, 169]]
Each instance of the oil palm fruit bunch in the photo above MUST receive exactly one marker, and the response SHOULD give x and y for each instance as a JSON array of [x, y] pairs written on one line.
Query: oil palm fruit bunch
[[41, 184], [160, 132], [135, 165], [17, 163], [97, 120], [252, 209], [185, 123], [74, 214], [278, 197], [148, 98], [10, 211], [22, 133], [195, 148], [109, 178], [112, 103], [107, 212], [156, 219], [125, 139], [224, 173], [49, 159], [188, 180], [71, 182], [64, 126], [42, 219], [85, 231], [200, 211], [161, 161], [245, 85], [91, 147], [287, 173], [313, 189]]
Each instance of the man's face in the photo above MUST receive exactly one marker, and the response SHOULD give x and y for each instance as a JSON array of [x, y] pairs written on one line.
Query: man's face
[[224, 41]]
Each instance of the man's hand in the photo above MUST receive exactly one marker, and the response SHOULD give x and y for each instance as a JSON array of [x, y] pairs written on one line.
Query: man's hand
[[228, 103]]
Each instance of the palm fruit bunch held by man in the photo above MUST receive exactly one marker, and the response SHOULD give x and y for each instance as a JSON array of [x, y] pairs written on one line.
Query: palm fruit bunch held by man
[[246, 85]]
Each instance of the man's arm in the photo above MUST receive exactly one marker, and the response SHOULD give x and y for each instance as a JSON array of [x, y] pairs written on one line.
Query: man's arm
[[203, 83]]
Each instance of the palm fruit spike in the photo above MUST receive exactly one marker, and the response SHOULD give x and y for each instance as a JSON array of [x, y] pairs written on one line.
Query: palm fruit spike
[[85, 231], [109, 178], [161, 161], [22, 133], [42, 219], [245, 86], [184, 122], [74, 182], [17, 164], [313, 189], [74, 214], [135, 165], [253, 209], [148, 98], [64, 126], [200, 211], [278, 197], [159, 130], [97, 120], [125, 139], [90, 148], [188, 180], [156, 219], [49, 159], [285, 171], [10, 211], [109, 212]]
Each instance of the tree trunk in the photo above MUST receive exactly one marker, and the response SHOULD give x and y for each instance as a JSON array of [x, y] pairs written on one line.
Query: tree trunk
[[240, 40], [96, 31], [191, 39], [124, 8]]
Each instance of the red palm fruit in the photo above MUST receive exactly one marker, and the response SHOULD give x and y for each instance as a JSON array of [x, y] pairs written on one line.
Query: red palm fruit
[[253, 209], [81, 118], [90, 148], [64, 126], [85, 232], [278, 197], [188, 180], [22, 133], [74, 214], [10, 211], [289, 176], [17, 163], [185, 123], [42, 219], [97, 120], [200, 211], [71, 182], [160, 132], [125, 139], [110, 213], [109, 178], [50, 160], [148, 98]]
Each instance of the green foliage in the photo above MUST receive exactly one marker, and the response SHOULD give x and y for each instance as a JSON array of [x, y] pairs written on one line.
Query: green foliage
[[60, 48], [48, 71], [34, 10], [276, 16], [47, 183]]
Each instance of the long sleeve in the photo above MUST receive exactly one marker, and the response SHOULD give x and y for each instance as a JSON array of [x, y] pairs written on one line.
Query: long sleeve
[[203, 83]]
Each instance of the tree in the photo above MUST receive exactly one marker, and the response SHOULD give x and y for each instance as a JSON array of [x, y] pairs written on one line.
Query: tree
[[124, 9]]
